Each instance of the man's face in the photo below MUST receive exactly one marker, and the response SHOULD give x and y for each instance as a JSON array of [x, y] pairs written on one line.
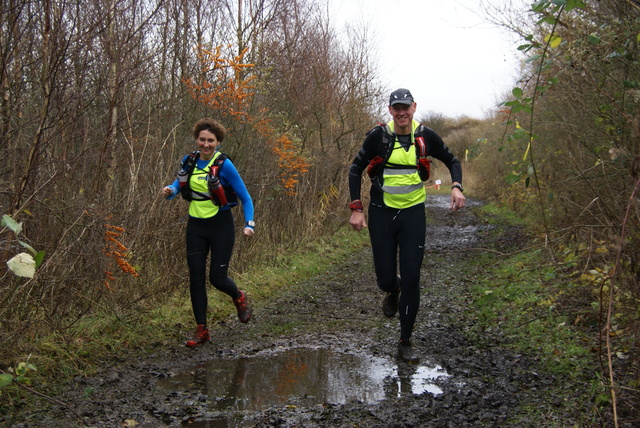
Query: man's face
[[402, 114]]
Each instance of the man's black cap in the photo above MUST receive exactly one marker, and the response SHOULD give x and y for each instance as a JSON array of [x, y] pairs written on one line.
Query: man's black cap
[[401, 96]]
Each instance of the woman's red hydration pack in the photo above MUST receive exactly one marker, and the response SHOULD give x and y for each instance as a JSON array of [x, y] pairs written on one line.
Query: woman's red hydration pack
[[219, 194], [376, 166]]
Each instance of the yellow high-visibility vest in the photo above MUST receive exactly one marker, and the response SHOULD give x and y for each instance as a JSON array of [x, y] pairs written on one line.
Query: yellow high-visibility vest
[[202, 208], [402, 187]]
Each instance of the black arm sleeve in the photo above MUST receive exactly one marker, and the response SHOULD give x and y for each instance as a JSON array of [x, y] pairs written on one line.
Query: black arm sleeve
[[367, 152], [436, 148]]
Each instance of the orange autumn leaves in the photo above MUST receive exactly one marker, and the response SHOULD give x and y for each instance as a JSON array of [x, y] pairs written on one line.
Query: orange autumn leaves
[[291, 164], [221, 85], [225, 87], [116, 251]]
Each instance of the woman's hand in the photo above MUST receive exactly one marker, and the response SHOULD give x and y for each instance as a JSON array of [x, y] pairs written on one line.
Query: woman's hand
[[166, 191], [248, 231]]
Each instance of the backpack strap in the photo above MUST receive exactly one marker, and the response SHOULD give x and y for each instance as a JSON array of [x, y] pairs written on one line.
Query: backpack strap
[[384, 150], [388, 140], [230, 197], [220, 159], [421, 146], [184, 175], [214, 170], [189, 163]]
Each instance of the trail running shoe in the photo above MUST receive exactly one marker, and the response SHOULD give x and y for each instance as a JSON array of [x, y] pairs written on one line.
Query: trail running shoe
[[406, 352], [390, 304], [243, 307], [200, 336]]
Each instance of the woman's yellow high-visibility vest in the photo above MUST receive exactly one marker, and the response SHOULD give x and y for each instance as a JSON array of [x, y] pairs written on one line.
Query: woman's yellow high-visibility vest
[[402, 187], [202, 208]]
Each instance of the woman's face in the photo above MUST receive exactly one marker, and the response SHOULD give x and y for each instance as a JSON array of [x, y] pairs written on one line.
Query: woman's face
[[207, 143]]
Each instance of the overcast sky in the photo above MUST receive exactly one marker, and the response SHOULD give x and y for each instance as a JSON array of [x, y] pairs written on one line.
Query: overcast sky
[[441, 50]]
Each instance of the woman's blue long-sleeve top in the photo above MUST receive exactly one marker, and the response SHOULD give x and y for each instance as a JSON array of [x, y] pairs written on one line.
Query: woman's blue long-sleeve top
[[229, 175]]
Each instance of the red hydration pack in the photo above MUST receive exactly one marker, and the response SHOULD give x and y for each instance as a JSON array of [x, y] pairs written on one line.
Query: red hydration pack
[[423, 165], [216, 190]]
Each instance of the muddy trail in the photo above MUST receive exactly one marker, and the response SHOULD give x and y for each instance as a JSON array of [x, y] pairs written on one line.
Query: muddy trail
[[322, 354]]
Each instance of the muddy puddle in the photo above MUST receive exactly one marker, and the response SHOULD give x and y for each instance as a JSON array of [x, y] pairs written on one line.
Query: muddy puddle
[[301, 378]]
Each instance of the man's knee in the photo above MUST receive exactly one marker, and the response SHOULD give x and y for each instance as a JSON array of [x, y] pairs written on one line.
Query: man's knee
[[390, 285]]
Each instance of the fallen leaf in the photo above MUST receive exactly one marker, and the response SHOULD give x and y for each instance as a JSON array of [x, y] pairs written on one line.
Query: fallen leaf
[[22, 264]]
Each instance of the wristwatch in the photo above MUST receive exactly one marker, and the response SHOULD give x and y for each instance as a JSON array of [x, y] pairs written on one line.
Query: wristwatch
[[251, 223], [459, 186]]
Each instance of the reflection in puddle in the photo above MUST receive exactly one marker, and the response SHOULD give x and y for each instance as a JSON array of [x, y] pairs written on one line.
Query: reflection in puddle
[[303, 377]]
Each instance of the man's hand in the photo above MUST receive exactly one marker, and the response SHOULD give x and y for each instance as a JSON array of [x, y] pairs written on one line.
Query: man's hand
[[457, 199], [357, 220]]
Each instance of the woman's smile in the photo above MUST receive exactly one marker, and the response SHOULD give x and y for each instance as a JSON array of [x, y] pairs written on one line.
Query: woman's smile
[[207, 143]]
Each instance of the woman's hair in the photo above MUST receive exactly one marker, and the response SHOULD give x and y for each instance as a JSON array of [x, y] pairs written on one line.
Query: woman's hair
[[210, 125]]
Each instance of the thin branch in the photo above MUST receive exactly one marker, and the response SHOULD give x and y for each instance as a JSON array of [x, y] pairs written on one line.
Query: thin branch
[[553, 316], [611, 296], [33, 391], [531, 119]]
